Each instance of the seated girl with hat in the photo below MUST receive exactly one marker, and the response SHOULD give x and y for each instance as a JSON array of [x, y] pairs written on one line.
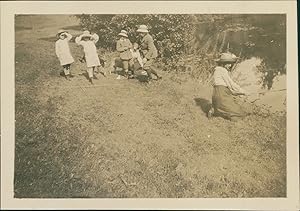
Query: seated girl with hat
[[88, 42], [223, 103]]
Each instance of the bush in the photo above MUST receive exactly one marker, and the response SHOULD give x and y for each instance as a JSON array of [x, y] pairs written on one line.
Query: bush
[[190, 42], [171, 33]]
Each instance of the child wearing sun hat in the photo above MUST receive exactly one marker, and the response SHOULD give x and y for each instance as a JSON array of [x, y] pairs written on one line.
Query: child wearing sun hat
[[149, 51], [123, 47], [88, 42], [63, 53]]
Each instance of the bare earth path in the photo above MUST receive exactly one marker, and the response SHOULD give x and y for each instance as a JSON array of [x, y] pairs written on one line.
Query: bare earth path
[[124, 138]]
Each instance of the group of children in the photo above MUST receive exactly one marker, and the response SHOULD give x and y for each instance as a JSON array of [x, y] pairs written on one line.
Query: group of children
[[129, 60], [87, 41]]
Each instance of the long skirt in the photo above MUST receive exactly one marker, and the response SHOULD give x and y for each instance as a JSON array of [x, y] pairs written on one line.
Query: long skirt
[[225, 105]]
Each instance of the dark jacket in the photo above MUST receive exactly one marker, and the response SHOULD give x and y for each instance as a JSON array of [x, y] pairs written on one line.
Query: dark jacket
[[148, 48]]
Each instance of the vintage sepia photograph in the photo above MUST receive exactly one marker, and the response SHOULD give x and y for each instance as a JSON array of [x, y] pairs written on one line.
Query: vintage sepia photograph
[[150, 105]]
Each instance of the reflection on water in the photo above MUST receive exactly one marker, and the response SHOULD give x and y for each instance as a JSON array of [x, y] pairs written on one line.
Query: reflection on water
[[271, 47], [260, 36]]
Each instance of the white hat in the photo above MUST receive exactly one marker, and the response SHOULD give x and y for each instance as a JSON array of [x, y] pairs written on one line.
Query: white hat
[[227, 58], [86, 34], [124, 31], [60, 31], [122, 34], [143, 28]]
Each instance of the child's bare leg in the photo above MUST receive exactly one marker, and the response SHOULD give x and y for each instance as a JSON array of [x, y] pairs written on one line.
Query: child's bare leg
[[125, 67], [101, 70], [82, 60], [90, 74], [66, 72], [70, 74], [131, 68], [94, 70]]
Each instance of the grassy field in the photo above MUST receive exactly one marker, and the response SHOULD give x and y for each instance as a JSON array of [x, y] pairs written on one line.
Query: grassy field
[[124, 138]]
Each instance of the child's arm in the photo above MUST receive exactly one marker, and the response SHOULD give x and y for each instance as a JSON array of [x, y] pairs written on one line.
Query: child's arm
[[95, 37], [57, 50], [234, 87], [78, 40], [69, 36]]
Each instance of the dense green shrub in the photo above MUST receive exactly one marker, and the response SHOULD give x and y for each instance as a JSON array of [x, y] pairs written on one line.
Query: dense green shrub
[[191, 42], [171, 33]]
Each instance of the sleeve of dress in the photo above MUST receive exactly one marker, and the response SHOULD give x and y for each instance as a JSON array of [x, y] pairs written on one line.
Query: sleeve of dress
[[95, 38], [234, 87], [57, 49], [69, 36], [78, 40]]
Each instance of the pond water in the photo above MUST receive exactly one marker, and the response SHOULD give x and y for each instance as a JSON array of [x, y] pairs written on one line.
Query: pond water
[[271, 46], [248, 36]]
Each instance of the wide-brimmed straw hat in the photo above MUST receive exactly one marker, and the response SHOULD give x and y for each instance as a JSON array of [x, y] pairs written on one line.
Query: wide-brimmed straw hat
[[123, 33], [143, 28], [227, 58], [60, 31], [86, 34]]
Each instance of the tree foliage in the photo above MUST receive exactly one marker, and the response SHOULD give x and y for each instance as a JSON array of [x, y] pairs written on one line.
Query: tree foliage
[[193, 41], [171, 33]]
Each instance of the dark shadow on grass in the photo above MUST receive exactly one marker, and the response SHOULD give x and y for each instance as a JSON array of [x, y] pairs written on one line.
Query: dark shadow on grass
[[142, 78], [204, 104]]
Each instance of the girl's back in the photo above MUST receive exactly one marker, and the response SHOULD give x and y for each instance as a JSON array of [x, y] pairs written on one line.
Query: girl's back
[[89, 46]]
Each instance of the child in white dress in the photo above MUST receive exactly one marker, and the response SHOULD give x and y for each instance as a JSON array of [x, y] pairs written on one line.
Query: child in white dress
[[88, 42], [63, 53]]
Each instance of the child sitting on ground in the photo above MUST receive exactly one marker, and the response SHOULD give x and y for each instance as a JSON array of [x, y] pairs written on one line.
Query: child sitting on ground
[[63, 53], [88, 42]]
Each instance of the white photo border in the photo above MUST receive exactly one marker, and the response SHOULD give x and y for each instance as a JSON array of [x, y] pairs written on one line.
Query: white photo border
[[8, 11]]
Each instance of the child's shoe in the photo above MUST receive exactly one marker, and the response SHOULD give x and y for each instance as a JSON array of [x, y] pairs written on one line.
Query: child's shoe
[[210, 113], [91, 81], [67, 77]]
